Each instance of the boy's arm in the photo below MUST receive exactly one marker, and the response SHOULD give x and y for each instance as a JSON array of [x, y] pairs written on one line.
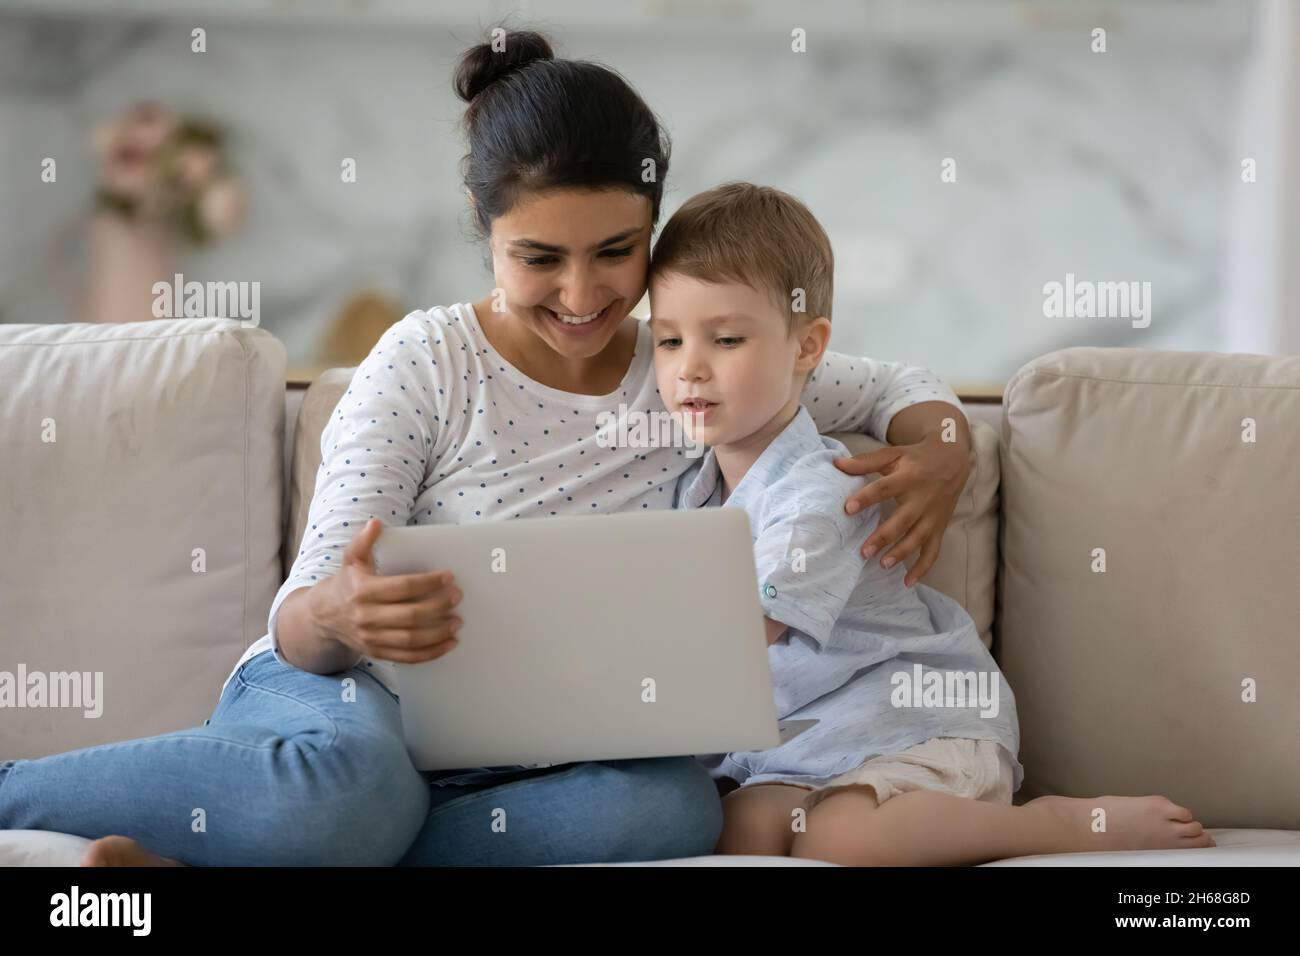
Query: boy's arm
[[775, 630], [807, 570]]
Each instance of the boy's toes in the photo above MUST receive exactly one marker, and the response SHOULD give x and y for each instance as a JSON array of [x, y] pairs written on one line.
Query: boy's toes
[[1179, 813], [117, 850], [1193, 829]]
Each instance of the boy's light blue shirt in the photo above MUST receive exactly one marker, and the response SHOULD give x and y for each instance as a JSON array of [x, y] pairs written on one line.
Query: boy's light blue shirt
[[859, 639]]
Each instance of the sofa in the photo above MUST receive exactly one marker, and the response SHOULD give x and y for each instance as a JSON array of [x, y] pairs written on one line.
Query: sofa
[[1128, 544]]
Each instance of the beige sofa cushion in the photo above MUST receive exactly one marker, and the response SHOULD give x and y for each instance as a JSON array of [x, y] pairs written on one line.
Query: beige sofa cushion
[[1131, 680], [167, 438], [965, 570]]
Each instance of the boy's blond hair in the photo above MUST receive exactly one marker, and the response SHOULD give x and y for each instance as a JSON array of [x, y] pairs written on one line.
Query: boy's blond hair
[[755, 235]]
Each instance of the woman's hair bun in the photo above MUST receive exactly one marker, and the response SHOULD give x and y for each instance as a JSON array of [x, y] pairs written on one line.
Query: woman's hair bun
[[481, 66]]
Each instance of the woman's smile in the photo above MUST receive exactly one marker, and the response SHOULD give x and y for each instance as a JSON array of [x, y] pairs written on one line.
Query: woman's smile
[[582, 325]]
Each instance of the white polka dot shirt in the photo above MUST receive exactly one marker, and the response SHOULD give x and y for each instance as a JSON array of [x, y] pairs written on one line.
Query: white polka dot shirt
[[437, 427]]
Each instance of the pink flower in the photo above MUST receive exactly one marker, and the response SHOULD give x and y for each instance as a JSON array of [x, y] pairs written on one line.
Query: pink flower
[[221, 207], [154, 165], [196, 165], [149, 125], [130, 174], [128, 147]]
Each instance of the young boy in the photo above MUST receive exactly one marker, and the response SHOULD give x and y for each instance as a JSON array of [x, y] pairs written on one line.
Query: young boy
[[913, 759]]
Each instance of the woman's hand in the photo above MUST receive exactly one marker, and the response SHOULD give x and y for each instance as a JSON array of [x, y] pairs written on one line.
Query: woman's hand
[[927, 478], [398, 617]]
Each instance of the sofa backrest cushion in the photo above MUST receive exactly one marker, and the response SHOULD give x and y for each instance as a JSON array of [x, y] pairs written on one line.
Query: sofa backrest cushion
[[318, 404], [142, 502], [1172, 667]]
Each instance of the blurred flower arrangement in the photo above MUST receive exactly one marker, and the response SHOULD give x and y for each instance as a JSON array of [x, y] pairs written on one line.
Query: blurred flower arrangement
[[155, 165], [161, 177]]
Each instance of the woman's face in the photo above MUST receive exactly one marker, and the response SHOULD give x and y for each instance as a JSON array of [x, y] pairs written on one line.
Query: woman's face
[[575, 255]]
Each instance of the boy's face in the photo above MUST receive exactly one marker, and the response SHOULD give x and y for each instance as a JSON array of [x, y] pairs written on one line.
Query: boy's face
[[728, 346]]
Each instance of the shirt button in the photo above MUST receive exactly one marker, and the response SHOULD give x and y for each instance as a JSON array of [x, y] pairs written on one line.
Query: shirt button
[[769, 591]]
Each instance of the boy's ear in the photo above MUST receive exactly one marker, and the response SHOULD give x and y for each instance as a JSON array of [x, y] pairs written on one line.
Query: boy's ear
[[813, 340]]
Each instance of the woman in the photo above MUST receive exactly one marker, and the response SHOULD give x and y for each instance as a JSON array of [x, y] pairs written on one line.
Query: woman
[[478, 411]]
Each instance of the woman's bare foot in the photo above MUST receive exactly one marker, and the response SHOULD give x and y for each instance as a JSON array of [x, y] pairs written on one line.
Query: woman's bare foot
[[122, 851], [1131, 823]]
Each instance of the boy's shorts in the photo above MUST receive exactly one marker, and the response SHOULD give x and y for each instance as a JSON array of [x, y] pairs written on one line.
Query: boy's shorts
[[977, 769]]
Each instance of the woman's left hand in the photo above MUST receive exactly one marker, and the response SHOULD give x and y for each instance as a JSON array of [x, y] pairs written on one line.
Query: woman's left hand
[[927, 479]]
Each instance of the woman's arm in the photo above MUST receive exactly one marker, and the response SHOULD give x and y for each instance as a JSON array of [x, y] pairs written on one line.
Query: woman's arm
[[302, 644], [926, 470], [333, 624], [374, 451], [849, 393], [915, 423], [927, 463]]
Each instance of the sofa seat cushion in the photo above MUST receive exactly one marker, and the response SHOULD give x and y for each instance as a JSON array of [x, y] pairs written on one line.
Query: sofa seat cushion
[[1235, 848]]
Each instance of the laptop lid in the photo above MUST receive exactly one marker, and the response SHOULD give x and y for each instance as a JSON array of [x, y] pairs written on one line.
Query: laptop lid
[[589, 638]]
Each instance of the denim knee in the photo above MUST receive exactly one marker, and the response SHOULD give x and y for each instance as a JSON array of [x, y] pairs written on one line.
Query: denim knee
[[688, 806], [367, 805]]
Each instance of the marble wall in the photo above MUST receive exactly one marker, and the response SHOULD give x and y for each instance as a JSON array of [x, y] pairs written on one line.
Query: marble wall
[[1117, 166]]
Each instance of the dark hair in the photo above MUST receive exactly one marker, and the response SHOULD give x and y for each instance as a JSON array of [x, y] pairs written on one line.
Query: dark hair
[[536, 123]]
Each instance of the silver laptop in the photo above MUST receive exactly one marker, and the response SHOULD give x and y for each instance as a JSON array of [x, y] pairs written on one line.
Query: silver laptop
[[596, 637]]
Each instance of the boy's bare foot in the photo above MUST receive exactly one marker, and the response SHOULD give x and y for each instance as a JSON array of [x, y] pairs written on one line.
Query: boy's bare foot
[[122, 851], [1132, 823]]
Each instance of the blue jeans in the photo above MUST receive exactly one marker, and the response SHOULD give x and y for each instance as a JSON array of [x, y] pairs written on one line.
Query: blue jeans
[[288, 772]]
